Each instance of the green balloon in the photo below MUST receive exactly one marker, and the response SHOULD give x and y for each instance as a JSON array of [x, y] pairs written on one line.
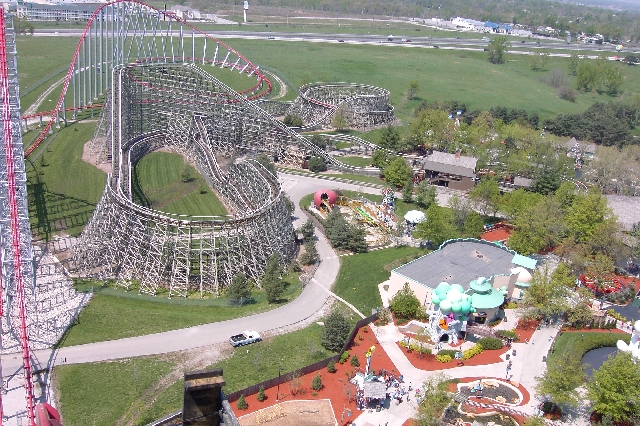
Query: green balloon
[[435, 299]]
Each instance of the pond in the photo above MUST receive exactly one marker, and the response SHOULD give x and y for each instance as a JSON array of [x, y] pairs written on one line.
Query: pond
[[596, 357]]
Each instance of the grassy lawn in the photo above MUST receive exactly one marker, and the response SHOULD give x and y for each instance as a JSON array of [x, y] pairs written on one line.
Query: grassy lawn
[[360, 275], [116, 314], [356, 161], [574, 344], [63, 189], [159, 176], [98, 394], [104, 391]]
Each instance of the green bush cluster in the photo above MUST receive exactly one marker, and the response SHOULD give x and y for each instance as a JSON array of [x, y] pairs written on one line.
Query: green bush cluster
[[331, 367], [242, 403], [450, 352], [355, 362], [490, 343], [416, 347], [616, 315], [316, 383], [471, 352], [443, 358], [344, 357], [508, 334]]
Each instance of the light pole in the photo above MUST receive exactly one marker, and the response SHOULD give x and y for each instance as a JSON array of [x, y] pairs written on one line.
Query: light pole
[[278, 391]]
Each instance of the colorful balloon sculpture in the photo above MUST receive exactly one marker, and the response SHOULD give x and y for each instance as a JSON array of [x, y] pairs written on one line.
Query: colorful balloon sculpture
[[451, 298]]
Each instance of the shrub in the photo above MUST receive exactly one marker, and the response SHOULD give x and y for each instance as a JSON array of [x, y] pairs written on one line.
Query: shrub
[[508, 334], [443, 358], [567, 93], [355, 362], [336, 331], [471, 352], [331, 367], [292, 120], [557, 78], [316, 383], [261, 396], [316, 164], [344, 357], [616, 315], [242, 403], [202, 189], [490, 343], [450, 352], [421, 349], [405, 304]]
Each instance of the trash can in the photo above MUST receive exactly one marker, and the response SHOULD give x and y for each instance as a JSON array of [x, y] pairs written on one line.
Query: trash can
[[508, 356], [513, 352], [544, 359]]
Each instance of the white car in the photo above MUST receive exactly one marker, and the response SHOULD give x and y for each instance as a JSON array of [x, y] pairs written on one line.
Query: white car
[[244, 338]]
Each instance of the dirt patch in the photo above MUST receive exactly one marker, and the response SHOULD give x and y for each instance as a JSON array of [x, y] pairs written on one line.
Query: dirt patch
[[293, 413], [91, 155]]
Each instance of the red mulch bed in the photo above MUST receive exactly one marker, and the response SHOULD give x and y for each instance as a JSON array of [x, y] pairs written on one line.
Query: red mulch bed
[[429, 363], [335, 384], [525, 329], [500, 234]]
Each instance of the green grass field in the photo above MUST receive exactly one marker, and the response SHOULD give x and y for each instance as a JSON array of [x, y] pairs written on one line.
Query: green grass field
[[159, 175], [98, 394], [116, 314], [63, 189], [573, 344], [361, 273]]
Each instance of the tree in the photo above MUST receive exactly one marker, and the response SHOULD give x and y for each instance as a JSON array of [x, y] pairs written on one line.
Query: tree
[[310, 254], [545, 296], [473, 225], [497, 48], [261, 396], [425, 194], [486, 196], [404, 303], [267, 163], [586, 213], [439, 226], [429, 128], [355, 362], [186, 175], [574, 61], [534, 421], [407, 191], [340, 119], [547, 181], [307, 229], [288, 204], [412, 90], [356, 239], [331, 367], [539, 60], [390, 138], [316, 164], [316, 382], [537, 227], [560, 381], [242, 403], [336, 331], [292, 120], [611, 389], [380, 158], [586, 76], [272, 282], [239, 288], [319, 141], [398, 172], [580, 315], [435, 400]]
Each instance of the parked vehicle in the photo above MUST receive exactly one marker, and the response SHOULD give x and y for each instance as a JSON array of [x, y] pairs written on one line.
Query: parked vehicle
[[487, 39], [244, 338]]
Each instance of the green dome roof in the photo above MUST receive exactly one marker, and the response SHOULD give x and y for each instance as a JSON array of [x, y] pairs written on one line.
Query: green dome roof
[[488, 300]]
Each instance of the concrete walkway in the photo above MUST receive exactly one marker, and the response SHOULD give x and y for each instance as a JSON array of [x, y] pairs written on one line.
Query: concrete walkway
[[526, 365]]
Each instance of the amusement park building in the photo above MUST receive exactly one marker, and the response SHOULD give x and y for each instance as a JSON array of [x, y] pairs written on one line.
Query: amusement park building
[[454, 171], [464, 262]]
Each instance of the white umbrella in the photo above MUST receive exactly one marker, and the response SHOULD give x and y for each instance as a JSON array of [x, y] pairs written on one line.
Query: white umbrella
[[415, 216]]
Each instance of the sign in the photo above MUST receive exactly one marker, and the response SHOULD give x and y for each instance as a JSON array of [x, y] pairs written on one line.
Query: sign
[[246, 5]]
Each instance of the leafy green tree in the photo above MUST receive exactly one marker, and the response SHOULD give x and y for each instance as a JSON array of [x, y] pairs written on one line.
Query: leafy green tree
[[425, 194], [586, 213], [272, 282], [580, 315], [429, 128], [316, 164], [340, 119], [574, 61], [310, 254], [356, 239], [611, 389], [398, 172], [266, 162], [336, 331], [486, 196], [537, 227], [560, 381], [545, 296], [461, 208], [516, 201], [390, 138], [319, 141], [539, 60], [473, 225], [412, 90], [261, 396], [407, 191], [288, 204], [547, 181], [435, 400], [439, 226], [497, 49], [292, 120], [404, 303], [331, 367], [587, 76], [239, 288], [380, 158]]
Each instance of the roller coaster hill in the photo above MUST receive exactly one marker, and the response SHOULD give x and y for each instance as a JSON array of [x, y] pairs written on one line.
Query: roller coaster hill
[[146, 73]]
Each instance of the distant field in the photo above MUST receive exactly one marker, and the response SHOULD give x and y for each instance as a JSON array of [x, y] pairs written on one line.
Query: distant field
[[159, 177]]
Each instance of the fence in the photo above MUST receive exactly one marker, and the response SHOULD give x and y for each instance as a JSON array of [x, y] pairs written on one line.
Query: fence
[[253, 389]]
